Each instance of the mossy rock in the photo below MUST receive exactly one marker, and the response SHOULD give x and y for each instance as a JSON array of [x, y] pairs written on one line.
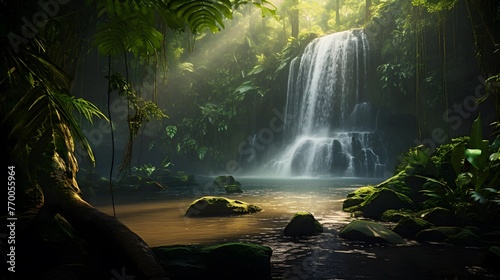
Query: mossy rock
[[465, 237], [303, 224], [222, 261], [222, 180], [234, 188], [354, 199], [436, 234], [362, 192], [408, 227], [371, 232], [249, 261], [351, 204], [210, 206], [382, 200], [439, 216], [451, 235], [396, 182], [395, 216]]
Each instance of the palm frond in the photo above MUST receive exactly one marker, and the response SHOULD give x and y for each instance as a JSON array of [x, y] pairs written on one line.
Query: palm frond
[[38, 114]]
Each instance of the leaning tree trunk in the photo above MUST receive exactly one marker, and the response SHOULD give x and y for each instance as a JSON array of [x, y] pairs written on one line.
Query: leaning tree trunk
[[62, 195]]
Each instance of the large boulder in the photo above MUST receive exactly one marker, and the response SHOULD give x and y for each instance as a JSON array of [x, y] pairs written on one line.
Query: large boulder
[[369, 231], [223, 261], [303, 224], [210, 206], [380, 201]]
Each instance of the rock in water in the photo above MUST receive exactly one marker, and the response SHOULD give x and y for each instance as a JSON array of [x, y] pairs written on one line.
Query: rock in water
[[303, 224], [369, 231], [210, 206], [221, 261]]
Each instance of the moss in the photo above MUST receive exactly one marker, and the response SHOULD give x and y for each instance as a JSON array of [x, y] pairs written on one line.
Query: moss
[[384, 199], [393, 215], [410, 226], [362, 192], [354, 199], [219, 206]]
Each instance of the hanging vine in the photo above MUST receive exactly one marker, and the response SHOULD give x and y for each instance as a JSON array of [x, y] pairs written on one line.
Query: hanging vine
[[141, 112]]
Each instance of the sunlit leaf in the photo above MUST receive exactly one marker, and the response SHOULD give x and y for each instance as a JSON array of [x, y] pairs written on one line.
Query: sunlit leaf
[[495, 156], [463, 179], [171, 130]]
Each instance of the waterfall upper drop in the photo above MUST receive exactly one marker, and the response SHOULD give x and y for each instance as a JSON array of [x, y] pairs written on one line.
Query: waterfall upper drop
[[330, 130]]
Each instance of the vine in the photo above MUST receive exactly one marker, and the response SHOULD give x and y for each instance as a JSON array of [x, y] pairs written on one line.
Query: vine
[[143, 111]]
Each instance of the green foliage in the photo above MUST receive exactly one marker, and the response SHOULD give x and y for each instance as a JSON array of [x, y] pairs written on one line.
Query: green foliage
[[475, 192], [434, 6], [145, 171], [129, 27], [144, 110]]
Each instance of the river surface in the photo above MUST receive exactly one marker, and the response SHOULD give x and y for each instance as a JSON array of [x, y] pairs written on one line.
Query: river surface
[[158, 217]]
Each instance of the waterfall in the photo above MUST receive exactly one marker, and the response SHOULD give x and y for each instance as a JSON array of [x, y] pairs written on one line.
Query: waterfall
[[332, 130]]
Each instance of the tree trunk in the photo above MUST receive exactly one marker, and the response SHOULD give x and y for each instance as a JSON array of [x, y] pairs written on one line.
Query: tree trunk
[[62, 195], [368, 10], [294, 19], [337, 12]]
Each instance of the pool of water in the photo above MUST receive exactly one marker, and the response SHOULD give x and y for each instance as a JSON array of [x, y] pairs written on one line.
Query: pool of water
[[158, 217]]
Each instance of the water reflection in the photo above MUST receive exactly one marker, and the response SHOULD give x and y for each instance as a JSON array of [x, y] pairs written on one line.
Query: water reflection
[[159, 219]]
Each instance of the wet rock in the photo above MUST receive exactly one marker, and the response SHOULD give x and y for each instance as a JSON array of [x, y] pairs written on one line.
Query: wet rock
[[223, 261], [221, 181], [380, 201], [436, 234], [234, 188], [227, 183], [465, 237], [351, 202], [369, 231], [303, 224], [451, 235], [354, 199], [408, 227], [340, 160], [362, 192], [395, 216], [210, 206], [439, 216]]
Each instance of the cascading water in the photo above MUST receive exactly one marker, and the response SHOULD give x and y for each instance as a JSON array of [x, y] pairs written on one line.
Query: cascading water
[[330, 132]]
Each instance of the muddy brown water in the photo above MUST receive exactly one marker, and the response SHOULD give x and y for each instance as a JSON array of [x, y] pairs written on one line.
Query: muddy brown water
[[158, 217]]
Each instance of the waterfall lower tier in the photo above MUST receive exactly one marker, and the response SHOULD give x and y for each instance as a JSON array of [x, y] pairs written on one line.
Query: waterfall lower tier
[[344, 154]]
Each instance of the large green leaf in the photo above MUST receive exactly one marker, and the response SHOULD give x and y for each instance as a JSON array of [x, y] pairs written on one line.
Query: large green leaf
[[463, 179], [478, 152]]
